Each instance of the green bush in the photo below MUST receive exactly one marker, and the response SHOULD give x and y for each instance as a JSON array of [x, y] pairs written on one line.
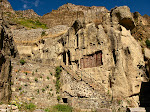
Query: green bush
[[20, 88], [58, 98], [36, 80], [43, 33], [43, 90], [147, 43], [30, 106], [48, 78], [57, 75], [63, 108], [47, 110], [22, 62]]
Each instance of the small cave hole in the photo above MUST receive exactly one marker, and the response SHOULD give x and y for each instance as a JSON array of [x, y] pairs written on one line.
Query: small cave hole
[[114, 56], [65, 100]]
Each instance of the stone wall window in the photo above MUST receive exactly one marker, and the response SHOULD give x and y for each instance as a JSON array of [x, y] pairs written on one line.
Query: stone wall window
[[92, 60]]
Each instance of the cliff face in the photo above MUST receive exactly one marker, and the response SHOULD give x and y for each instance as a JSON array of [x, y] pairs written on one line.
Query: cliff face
[[6, 7], [104, 59], [28, 14], [68, 13], [7, 50]]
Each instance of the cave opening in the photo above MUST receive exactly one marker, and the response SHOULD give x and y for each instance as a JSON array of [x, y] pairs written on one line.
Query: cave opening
[[1, 39], [69, 61], [65, 100], [2, 60], [114, 56], [77, 40], [144, 96], [64, 57]]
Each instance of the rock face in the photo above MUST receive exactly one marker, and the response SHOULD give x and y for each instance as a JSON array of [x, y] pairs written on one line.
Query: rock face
[[28, 14], [7, 50], [6, 7], [102, 63], [68, 13]]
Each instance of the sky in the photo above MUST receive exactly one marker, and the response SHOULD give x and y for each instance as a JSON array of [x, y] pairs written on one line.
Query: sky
[[42, 7]]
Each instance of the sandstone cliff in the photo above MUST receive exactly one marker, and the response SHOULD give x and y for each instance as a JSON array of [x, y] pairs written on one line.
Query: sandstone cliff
[[68, 13], [103, 61]]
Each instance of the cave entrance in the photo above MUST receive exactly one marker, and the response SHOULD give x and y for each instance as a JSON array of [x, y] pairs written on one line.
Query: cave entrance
[[64, 58], [69, 62], [145, 96], [114, 56], [65, 100]]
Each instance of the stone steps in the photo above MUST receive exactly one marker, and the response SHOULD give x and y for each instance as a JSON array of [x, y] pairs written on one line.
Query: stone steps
[[74, 75], [90, 81]]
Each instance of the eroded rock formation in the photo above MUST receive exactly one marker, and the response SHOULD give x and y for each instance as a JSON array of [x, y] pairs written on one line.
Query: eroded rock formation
[[68, 13], [7, 50], [99, 51], [104, 59]]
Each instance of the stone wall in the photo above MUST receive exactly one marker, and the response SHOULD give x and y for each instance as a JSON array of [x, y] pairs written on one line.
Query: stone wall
[[33, 82]]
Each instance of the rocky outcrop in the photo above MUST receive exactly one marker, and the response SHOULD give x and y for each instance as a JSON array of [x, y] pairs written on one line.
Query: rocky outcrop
[[7, 50], [6, 7], [141, 31], [68, 13], [102, 63], [28, 14]]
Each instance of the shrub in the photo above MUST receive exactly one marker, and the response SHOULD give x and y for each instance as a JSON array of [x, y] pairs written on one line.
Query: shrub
[[26, 73], [22, 62], [57, 75], [43, 90], [20, 88], [51, 73], [11, 83], [58, 98], [36, 80], [47, 86], [30, 106], [43, 33], [63, 108], [38, 91], [47, 110], [147, 43], [48, 78], [32, 73]]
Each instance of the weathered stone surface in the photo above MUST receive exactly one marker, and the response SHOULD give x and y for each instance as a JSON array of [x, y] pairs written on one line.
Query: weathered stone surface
[[103, 63], [7, 50], [28, 14], [122, 15], [68, 13]]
